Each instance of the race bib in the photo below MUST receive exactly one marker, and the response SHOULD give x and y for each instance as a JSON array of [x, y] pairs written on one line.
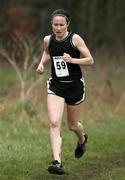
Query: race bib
[[60, 66]]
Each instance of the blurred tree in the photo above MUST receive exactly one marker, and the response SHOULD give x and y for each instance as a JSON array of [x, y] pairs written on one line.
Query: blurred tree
[[100, 22], [23, 55]]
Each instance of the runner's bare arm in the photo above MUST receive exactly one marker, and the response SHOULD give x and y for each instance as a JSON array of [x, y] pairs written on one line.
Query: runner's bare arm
[[86, 59], [45, 56]]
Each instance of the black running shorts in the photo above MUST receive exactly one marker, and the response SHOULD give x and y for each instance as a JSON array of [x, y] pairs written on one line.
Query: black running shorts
[[72, 91]]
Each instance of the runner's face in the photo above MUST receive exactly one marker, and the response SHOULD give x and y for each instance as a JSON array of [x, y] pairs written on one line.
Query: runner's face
[[59, 26]]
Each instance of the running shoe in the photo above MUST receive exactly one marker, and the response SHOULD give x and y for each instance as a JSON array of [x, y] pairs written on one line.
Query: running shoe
[[56, 168], [81, 148]]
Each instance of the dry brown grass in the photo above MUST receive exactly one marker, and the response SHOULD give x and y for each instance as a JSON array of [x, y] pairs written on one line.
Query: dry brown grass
[[105, 92]]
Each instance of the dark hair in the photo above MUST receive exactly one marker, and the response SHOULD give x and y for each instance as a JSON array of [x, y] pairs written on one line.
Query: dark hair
[[61, 12]]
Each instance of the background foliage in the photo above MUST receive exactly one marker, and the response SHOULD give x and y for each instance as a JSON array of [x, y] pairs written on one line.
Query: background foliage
[[101, 23]]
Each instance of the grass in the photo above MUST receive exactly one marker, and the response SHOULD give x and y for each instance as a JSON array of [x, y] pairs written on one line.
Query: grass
[[7, 78], [25, 152]]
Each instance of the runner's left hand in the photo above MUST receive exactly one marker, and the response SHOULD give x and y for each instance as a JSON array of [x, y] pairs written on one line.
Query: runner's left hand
[[67, 58]]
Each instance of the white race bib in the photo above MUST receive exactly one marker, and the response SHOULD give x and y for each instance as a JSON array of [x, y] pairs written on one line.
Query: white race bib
[[60, 66]]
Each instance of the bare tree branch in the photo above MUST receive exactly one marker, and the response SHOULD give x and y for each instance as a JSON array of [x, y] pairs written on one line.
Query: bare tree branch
[[20, 51], [34, 62], [13, 64], [33, 85]]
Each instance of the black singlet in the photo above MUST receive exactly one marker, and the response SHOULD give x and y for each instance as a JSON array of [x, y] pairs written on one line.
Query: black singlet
[[60, 70]]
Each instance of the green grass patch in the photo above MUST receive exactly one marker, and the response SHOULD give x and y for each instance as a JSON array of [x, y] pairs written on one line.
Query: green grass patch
[[25, 152], [7, 79]]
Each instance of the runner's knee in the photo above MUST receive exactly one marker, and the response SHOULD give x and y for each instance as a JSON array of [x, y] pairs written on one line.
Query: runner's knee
[[54, 124]]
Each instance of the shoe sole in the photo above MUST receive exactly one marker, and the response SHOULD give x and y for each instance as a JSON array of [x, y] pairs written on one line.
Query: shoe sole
[[84, 148], [80, 155], [54, 170]]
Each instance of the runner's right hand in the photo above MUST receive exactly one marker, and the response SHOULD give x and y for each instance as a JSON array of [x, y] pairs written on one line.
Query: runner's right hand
[[40, 69]]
